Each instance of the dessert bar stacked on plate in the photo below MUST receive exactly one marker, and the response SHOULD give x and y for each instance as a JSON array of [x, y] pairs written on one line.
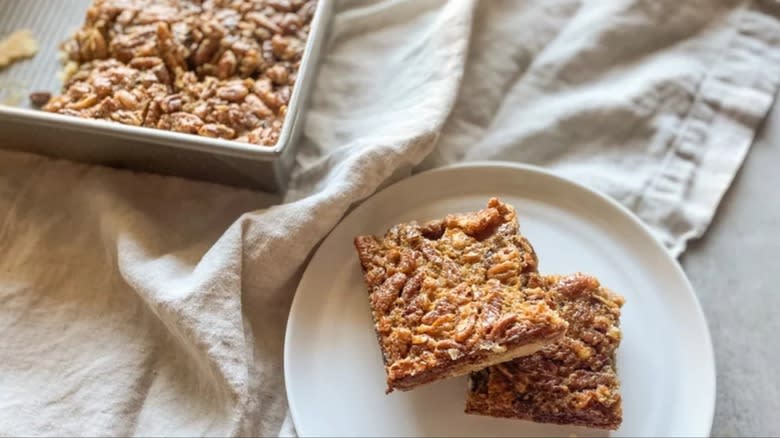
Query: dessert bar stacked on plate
[[463, 295]]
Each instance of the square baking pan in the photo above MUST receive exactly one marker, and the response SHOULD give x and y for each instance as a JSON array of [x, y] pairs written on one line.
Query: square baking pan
[[101, 142]]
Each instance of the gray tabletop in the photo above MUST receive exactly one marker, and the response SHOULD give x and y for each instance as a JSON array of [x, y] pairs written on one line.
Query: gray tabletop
[[735, 269]]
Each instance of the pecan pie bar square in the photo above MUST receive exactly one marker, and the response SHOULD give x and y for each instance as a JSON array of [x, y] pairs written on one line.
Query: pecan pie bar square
[[572, 382], [450, 297]]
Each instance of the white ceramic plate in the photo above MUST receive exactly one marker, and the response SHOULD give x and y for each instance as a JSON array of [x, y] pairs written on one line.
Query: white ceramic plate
[[332, 364]]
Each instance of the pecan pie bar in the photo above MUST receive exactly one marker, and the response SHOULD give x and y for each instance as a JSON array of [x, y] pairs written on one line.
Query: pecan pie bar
[[215, 68], [572, 382], [450, 296]]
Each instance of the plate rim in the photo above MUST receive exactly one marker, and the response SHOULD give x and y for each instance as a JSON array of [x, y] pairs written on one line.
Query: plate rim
[[532, 169]]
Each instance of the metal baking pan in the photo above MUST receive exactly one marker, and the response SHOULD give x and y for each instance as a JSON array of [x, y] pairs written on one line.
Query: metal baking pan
[[100, 142]]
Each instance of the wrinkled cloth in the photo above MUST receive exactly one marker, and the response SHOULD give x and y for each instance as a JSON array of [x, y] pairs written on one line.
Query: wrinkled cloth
[[135, 304]]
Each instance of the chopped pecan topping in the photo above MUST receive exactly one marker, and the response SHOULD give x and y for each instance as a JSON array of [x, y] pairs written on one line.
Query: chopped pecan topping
[[215, 60], [39, 98], [459, 314], [573, 381]]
